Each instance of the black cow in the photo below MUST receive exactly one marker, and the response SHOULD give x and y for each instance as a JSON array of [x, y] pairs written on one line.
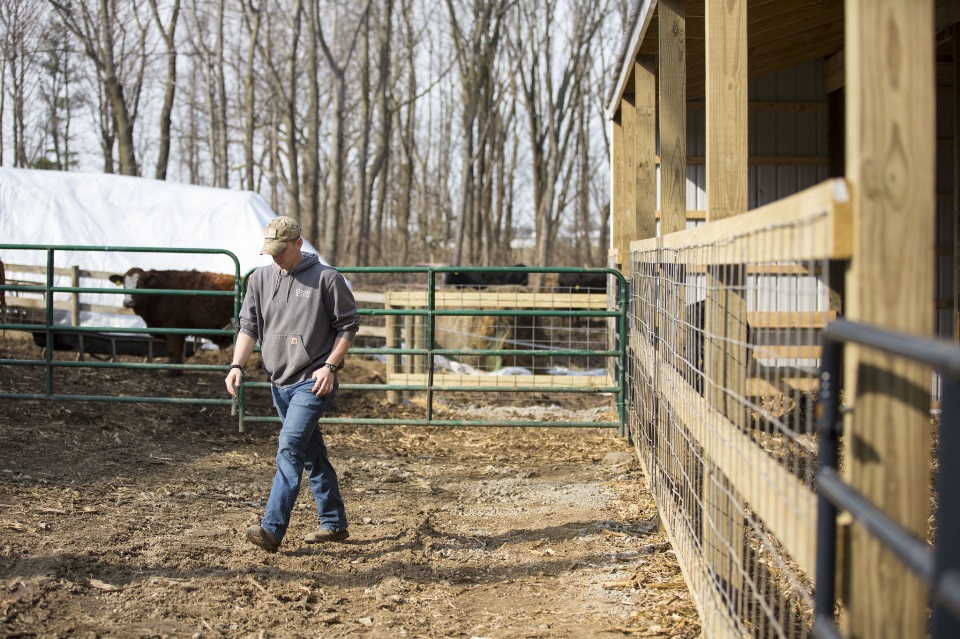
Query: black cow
[[582, 283], [693, 367], [464, 279], [180, 311]]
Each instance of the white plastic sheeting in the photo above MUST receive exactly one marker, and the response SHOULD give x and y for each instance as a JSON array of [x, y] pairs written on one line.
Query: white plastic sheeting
[[83, 209]]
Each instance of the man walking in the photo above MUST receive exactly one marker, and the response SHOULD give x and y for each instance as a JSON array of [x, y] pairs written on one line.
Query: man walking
[[304, 316]]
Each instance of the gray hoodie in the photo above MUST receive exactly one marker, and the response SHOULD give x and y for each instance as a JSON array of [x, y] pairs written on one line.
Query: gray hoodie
[[296, 317]]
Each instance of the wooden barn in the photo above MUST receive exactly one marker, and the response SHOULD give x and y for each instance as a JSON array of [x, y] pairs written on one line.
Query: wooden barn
[[777, 164]]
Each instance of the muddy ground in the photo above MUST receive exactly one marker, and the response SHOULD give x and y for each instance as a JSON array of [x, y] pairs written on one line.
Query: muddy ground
[[127, 520]]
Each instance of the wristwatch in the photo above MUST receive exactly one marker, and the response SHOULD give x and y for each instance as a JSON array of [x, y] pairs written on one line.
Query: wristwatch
[[332, 367]]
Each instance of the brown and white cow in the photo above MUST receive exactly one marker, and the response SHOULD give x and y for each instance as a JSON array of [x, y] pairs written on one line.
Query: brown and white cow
[[180, 311]]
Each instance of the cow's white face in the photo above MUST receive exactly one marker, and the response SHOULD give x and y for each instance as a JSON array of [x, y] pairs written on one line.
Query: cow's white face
[[130, 281]]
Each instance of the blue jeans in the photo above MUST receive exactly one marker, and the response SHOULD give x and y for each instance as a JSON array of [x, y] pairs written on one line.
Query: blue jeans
[[301, 447]]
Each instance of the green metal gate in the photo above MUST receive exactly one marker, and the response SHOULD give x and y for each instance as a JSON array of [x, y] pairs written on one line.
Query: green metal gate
[[428, 314], [51, 330], [616, 353]]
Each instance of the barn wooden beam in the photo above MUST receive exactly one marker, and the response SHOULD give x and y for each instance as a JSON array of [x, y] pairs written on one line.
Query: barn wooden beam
[[625, 74], [891, 167], [673, 115], [725, 312], [780, 106], [645, 144], [618, 183], [627, 205], [634, 202], [726, 100], [947, 14], [834, 76]]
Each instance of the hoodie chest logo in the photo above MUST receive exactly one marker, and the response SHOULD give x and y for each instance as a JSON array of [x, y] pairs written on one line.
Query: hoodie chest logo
[[301, 292]]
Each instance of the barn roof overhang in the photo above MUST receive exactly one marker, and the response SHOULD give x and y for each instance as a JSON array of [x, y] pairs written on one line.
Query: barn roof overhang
[[780, 34], [638, 20]]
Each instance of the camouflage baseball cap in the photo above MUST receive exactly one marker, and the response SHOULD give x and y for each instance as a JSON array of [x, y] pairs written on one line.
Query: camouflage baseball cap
[[278, 232]]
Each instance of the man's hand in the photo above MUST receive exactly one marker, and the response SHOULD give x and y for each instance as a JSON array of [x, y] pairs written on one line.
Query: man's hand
[[241, 353], [233, 379], [324, 379]]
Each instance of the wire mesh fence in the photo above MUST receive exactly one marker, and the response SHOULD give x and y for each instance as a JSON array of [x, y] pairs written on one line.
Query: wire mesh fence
[[515, 335], [723, 369]]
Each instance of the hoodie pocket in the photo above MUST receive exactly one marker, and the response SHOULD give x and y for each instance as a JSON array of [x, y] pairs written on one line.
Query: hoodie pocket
[[283, 354]]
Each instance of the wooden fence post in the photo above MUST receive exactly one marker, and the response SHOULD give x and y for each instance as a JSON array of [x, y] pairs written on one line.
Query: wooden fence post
[[891, 168]]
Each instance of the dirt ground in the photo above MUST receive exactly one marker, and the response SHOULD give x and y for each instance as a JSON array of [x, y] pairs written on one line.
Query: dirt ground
[[127, 520]]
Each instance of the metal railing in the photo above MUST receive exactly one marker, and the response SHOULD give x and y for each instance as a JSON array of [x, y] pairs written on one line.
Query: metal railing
[[49, 329], [615, 352], [939, 565], [430, 351]]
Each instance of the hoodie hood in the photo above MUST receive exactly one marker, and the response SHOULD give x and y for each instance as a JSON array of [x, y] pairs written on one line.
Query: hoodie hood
[[307, 260]]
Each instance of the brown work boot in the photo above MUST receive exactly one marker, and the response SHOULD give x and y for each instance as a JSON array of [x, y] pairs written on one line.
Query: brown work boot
[[325, 534], [260, 537]]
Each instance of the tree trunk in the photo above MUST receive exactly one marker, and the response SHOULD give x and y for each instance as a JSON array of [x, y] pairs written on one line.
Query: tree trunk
[[293, 182], [107, 131], [336, 174], [3, 102], [114, 89], [275, 118], [584, 246], [340, 87], [360, 228], [249, 96], [311, 161], [223, 140], [170, 89], [407, 141], [381, 163]]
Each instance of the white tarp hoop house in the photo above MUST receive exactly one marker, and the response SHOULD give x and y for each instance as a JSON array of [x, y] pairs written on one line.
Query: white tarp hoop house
[[81, 209]]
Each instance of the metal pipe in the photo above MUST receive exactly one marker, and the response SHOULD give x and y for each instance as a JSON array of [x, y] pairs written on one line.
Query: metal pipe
[[446, 422], [923, 349], [914, 553], [946, 578], [828, 431]]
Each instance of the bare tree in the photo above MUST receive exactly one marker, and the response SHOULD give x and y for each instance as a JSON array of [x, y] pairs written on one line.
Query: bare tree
[[380, 170], [311, 160], [252, 18], [407, 117], [359, 228], [551, 103], [60, 96], [281, 74], [214, 74], [20, 22], [366, 232], [424, 148], [501, 215], [338, 69], [168, 34], [475, 53], [94, 27], [584, 224], [290, 114]]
